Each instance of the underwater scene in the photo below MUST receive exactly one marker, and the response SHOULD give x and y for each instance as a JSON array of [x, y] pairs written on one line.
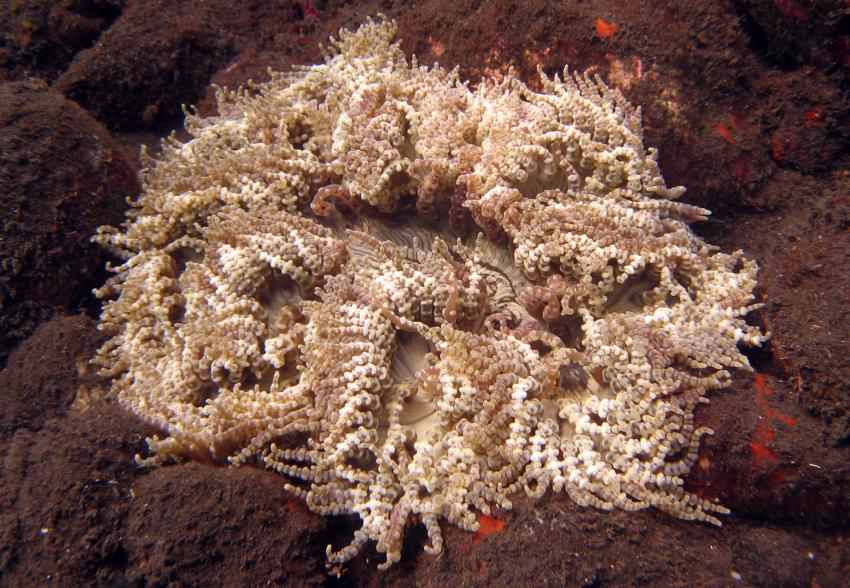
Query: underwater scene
[[384, 293]]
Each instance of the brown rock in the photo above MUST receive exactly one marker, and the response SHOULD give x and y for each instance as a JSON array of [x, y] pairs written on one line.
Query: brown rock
[[40, 37], [773, 557], [159, 55], [64, 492], [41, 378], [60, 178], [193, 525]]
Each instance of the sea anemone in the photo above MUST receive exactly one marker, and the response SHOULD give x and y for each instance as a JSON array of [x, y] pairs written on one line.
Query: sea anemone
[[294, 293]]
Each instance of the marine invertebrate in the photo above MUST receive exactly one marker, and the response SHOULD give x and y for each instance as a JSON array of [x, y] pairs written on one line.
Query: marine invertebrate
[[291, 296]]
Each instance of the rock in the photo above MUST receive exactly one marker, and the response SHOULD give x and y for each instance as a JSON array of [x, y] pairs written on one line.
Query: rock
[[61, 177], [196, 525], [41, 378]]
